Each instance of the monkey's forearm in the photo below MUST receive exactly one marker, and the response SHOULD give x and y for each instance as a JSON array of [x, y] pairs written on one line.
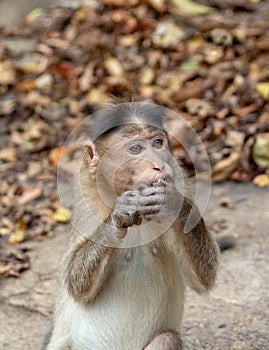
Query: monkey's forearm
[[88, 265], [199, 247], [202, 253]]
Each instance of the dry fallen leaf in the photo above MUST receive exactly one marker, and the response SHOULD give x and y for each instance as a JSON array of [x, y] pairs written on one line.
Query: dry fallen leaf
[[7, 73], [223, 169], [263, 90], [159, 5], [19, 234], [261, 180], [8, 154], [97, 97], [126, 3], [60, 152], [199, 108], [167, 35], [235, 139], [147, 76], [4, 231], [113, 66], [62, 215], [221, 36], [32, 63], [29, 195], [260, 150], [192, 8], [13, 260], [33, 15], [44, 83], [7, 104]]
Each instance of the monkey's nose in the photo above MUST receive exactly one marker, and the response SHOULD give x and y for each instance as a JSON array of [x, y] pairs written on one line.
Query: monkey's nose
[[158, 167]]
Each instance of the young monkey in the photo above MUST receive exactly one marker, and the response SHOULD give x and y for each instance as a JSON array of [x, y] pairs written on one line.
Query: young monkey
[[129, 259]]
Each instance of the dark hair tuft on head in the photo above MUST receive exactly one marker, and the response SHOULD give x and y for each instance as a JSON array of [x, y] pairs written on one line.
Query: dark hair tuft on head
[[115, 116]]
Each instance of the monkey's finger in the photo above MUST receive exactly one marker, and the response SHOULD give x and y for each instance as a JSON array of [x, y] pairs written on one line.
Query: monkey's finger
[[140, 186], [137, 219], [124, 220], [149, 217], [132, 218], [124, 209], [126, 198], [130, 194], [152, 191], [153, 209], [151, 200], [128, 209]]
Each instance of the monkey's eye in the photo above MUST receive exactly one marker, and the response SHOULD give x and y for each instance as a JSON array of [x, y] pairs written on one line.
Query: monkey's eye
[[157, 143], [136, 148]]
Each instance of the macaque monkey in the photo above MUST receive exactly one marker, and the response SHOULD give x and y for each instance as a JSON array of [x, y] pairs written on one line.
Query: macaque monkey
[[137, 240]]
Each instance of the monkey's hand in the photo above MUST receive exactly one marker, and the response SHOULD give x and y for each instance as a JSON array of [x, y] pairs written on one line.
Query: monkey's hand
[[160, 201], [125, 212]]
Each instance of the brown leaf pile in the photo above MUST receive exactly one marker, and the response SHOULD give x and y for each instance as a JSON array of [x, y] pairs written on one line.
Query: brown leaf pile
[[13, 261], [213, 70]]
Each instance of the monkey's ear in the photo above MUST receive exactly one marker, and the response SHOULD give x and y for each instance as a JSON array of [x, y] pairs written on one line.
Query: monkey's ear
[[91, 150], [93, 156]]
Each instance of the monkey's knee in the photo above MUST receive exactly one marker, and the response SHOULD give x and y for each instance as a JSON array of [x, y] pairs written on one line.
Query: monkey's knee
[[166, 341]]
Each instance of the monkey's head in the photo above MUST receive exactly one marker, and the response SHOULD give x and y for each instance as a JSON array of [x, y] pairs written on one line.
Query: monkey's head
[[129, 146]]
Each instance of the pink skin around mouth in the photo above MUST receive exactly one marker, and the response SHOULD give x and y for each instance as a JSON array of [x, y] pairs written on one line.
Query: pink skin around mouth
[[163, 179]]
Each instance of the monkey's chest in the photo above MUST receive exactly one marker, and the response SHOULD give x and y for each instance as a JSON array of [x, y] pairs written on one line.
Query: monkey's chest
[[143, 297], [140, 270], [144, 274]]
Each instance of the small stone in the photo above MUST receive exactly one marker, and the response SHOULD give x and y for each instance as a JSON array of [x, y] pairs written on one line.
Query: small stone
[[222, 325], [226, 202]]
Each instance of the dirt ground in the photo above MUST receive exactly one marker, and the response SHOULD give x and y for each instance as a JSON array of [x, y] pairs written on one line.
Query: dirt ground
[[235, 316]]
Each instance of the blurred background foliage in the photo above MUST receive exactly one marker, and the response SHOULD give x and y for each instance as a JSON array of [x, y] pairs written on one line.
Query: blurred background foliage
[[207, 60]]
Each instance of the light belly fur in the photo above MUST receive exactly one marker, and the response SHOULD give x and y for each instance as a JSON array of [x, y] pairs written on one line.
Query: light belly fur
[[142, 298]]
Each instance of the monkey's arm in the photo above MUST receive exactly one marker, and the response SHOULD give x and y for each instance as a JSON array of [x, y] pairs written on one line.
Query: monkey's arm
[[87, 265], [199, 249]]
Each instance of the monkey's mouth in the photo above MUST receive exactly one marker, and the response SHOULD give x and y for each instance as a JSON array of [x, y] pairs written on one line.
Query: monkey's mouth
[[164, 179], [155, 181]]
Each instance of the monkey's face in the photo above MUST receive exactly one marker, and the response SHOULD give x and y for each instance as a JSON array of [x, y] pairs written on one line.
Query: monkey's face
[[130, 160]]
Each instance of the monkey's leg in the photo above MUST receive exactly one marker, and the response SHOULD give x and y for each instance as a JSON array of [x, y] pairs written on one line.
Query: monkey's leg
[[166, 341]]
